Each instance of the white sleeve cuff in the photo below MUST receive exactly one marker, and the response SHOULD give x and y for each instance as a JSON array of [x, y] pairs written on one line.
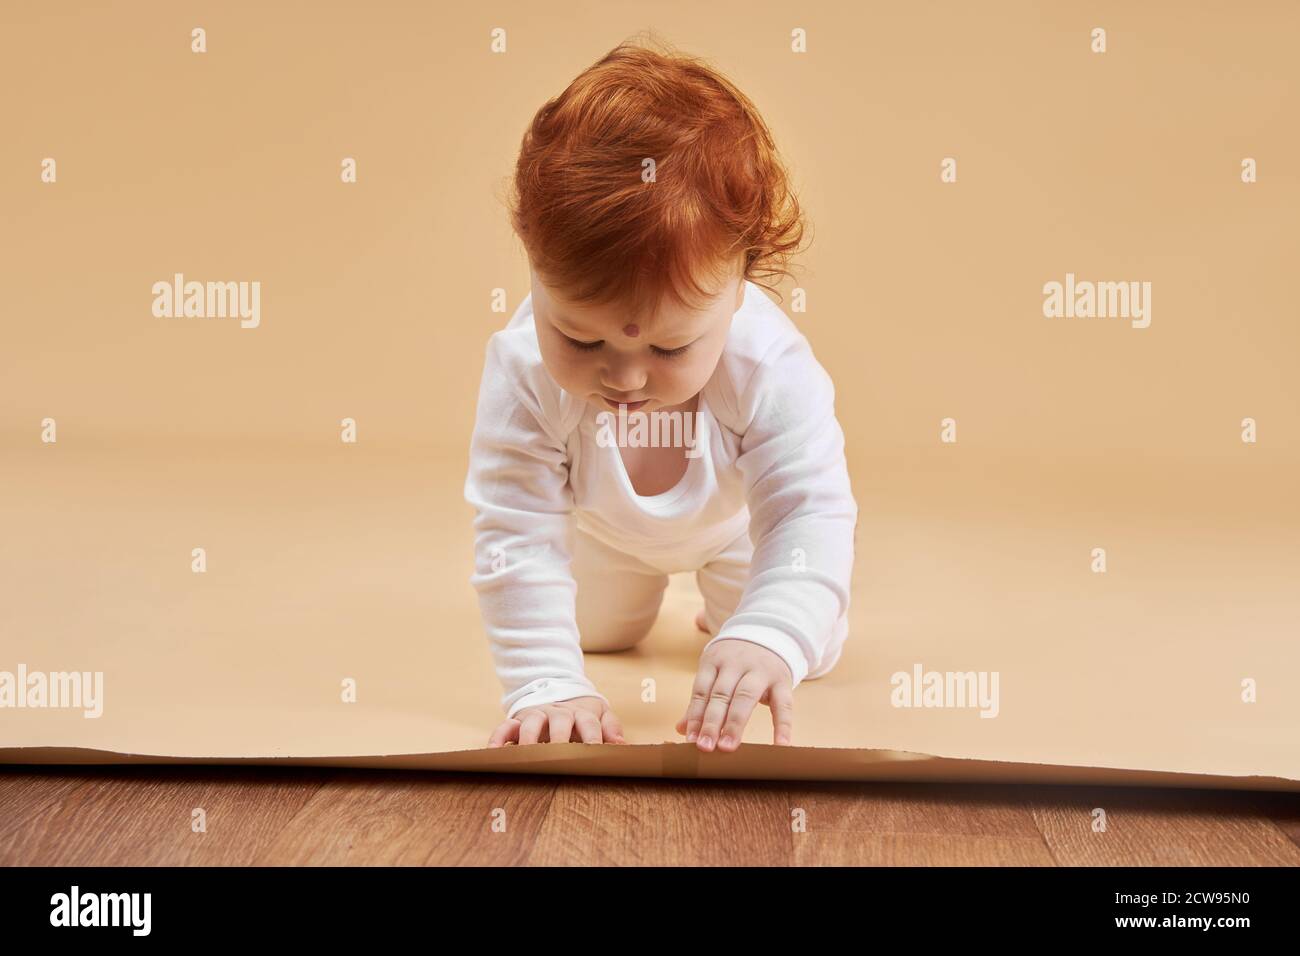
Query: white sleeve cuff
[[549, 692], [775, 640]]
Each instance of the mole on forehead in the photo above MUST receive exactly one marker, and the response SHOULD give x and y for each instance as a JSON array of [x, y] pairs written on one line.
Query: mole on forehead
[[641, 325], [634, 329]]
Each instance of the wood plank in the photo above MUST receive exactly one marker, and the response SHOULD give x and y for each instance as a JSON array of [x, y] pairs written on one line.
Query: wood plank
[[362, 818], [639, 822], [1283, 809], [25, 797], [143, 816], [1152, 827], [915, 808], [906, 824], [288, 816]]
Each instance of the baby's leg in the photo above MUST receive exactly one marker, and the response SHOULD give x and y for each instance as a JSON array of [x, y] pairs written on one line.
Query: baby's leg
[[618, 595], [722, 581]]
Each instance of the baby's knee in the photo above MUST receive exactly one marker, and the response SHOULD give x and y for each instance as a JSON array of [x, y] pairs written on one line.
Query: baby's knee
[[608, 640], [610, 643], [609, 622]]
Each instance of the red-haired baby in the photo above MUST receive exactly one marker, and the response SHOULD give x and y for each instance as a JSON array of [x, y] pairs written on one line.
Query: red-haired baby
[[649, 410]]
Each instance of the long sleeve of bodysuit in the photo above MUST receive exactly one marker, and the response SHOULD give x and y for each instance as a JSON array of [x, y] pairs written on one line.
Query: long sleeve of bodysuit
[[518, 485], [802, 511]]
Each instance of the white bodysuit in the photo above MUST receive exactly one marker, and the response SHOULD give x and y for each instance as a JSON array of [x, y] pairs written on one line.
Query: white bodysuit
[[764, 511]]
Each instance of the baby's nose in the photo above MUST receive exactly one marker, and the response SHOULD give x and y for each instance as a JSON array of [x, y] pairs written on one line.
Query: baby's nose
[[623, 378]]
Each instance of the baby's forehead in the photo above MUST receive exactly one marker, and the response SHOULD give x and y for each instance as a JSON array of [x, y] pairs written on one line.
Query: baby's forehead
[[664, 324], [665, 320]]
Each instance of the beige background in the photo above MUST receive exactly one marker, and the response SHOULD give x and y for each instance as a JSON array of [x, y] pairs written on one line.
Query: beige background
[[329, 561]]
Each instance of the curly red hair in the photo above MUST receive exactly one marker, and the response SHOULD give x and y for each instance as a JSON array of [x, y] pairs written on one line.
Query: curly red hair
[[599, 233]]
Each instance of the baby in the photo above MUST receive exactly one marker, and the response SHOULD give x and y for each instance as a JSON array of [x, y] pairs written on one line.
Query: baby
[[649, 410]]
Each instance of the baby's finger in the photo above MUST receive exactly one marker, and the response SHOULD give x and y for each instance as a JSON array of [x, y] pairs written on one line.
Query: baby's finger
[[588, 727], [743, 702], [506, 731], [716, 711], [531, 726], [699, 700], [782, 704], [613, 729], [561, 722]]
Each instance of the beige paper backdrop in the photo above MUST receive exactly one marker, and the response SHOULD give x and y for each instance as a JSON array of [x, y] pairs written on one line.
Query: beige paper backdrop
[[329, 561]]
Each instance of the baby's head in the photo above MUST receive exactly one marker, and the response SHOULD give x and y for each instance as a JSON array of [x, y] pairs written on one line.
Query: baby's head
[[646, 195]]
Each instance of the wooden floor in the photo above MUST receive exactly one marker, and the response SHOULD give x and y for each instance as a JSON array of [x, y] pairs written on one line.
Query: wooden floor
[[142, 815]]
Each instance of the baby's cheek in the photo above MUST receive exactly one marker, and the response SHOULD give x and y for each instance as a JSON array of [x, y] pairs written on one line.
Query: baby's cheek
[[698, 375], [564, 371], [676, 388]]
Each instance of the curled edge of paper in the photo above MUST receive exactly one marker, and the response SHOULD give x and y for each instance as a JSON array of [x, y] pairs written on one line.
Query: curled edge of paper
[[686, 761]]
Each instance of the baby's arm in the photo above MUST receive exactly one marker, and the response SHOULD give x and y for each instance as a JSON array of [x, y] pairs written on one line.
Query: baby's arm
[[518, 485], [802, 520]]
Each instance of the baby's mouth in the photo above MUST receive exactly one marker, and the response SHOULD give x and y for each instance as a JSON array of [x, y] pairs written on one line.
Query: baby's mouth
[[617, 403]]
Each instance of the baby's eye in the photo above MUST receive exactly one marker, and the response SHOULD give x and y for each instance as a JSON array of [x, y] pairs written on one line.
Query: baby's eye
[[669, 353], [583, 346]]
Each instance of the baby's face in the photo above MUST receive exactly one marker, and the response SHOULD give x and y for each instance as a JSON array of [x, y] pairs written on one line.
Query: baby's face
[[599, 354]]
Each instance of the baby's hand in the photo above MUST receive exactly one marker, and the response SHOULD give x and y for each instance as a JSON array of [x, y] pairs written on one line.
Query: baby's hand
[[587, 720], [734, 676]]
